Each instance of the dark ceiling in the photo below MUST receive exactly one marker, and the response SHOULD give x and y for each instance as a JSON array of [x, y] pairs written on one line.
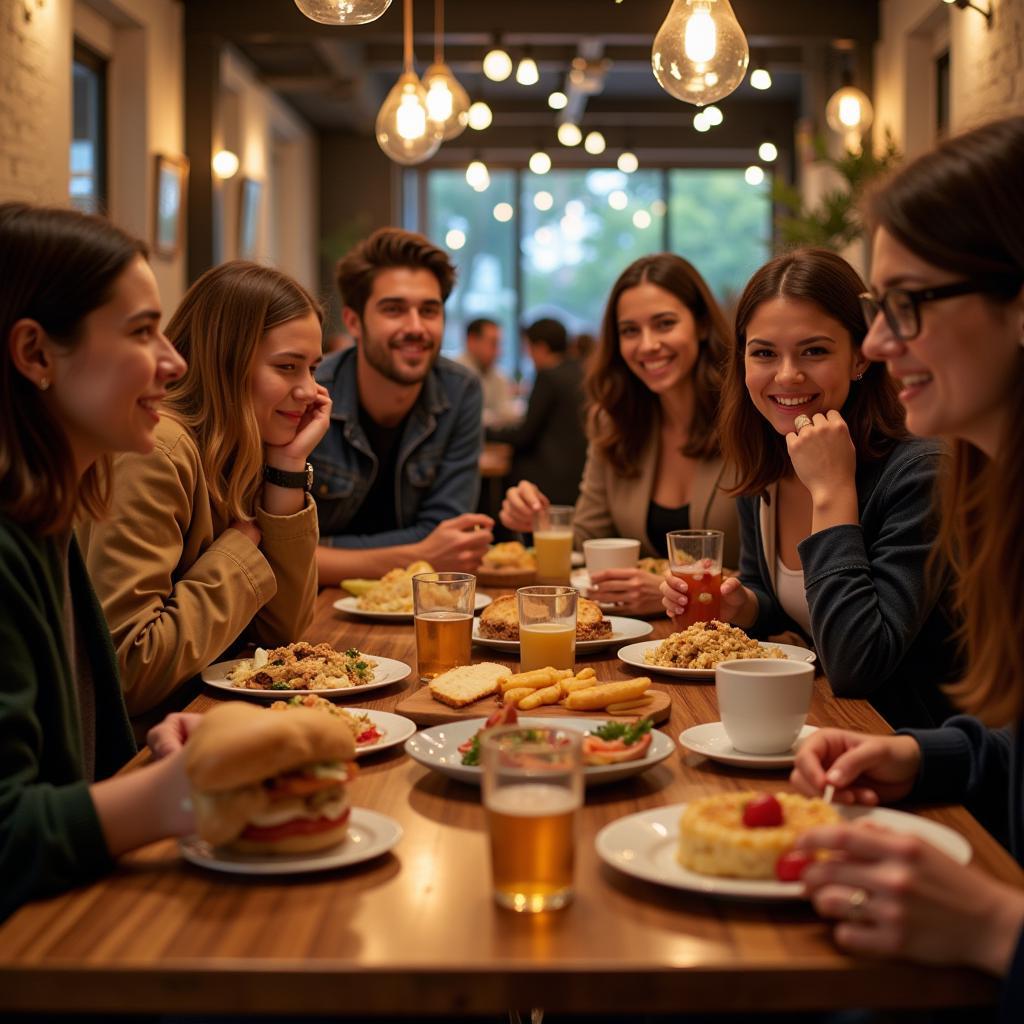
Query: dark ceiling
[[336, 78]]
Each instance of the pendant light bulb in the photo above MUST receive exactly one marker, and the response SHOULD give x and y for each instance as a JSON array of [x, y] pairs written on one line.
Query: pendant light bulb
[[627, 162], [849, 110], [404, 131], [527, 73], [700, 53], [477, 176], [343, 12], [497, 65], [594, 143], [540, 162], [447, 101], [569, 134], [480, 116]]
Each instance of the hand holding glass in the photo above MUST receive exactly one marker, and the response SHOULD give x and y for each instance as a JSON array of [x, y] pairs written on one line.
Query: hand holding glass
[[696, 557]]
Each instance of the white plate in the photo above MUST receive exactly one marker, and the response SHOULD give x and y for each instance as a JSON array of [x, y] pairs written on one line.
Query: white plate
[[711, 741], [350, 605], [438, 748], [644, 845], [369, 835], [634, 655], [387, 671], [622, 629], [394, 729]]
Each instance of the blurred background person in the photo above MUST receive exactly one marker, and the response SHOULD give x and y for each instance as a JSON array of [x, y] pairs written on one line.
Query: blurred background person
[[550, 445], [483, 348]]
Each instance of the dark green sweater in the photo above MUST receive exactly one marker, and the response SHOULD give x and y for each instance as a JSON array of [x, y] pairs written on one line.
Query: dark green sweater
[[50, 836]]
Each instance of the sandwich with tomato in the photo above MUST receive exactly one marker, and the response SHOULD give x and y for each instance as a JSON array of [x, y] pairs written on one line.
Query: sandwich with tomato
[[270, 784]]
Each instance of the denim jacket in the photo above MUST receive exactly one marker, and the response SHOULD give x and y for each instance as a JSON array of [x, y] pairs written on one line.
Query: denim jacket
[[438, 473]]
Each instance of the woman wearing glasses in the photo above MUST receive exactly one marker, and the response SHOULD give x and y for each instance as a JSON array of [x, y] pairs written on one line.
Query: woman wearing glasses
[[835, 503], [948, 273]]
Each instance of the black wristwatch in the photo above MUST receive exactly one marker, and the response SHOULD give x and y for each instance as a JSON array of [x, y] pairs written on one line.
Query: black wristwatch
[[281, 478]]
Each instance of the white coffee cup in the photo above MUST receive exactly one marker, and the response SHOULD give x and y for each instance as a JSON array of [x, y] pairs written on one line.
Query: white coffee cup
[[611, 553], [763, 702]]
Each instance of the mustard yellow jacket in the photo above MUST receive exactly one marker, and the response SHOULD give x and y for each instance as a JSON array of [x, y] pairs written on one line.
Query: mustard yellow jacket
[[177, 585]]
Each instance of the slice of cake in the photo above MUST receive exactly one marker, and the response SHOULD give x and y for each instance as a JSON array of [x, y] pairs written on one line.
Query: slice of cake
[[465, 684], [715, 839]]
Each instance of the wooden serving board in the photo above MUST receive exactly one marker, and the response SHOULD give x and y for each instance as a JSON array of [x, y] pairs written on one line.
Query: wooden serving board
[[424, 710]]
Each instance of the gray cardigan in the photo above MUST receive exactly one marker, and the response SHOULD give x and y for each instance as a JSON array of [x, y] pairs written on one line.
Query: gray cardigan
[[879, 632]]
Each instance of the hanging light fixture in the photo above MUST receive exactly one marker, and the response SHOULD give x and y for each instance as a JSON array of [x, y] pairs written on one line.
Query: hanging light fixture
[[225, 164], [447, 101], [627, 162], [558, 100], [849, 111], [480, 116], [404, 129], [760, 78], [477, 176], [569, 134], [700, 53], [497, 64], [526, 72], [768, 152], [343, 12], [540, 162], [594, 143]]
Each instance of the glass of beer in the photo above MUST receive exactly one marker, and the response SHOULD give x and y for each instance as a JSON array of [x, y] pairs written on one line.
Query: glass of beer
[[532, 788], [552, 543], [443, 613], [696, 556], [547, 627]]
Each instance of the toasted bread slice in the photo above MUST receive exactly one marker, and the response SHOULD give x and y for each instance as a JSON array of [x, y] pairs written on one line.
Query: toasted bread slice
[[590, 621], [467, 683], [500, 619]]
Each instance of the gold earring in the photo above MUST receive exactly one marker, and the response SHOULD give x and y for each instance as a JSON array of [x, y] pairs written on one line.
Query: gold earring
[[44, 383]]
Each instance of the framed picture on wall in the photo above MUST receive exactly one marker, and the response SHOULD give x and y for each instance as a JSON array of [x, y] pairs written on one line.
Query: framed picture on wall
[[249, 217], [171, 195]]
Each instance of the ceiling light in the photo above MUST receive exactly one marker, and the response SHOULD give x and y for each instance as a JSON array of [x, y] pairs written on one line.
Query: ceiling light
[[543, 201], [503, 212], [641, 219], [480, 116], [455, 239], [527, 73], [225, 164], [714, 116], [700, 122], [848, 110], [753, 175], [618, 200], [540, 162], [343, 12], [558, 101], [594, 143], [760, 78], [768, 152], [569, 134], [447, 101], [700, 53], [627, 162], [497, 65], [477, 176]]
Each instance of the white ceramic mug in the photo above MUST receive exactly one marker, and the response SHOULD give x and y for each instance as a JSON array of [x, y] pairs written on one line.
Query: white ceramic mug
[[611, 553], [763, 702]]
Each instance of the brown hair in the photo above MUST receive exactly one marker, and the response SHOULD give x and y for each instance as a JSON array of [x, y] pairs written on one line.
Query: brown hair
[[217, 328], [56, 267], [622, 415], [872, 411], [386, 248], [959, 207]]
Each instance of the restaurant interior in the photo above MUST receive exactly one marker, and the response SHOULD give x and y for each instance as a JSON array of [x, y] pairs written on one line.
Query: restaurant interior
[[542, 146]]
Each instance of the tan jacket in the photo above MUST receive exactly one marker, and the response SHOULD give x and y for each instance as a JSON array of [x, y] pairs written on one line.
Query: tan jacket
[[611, 505], [177, 585]]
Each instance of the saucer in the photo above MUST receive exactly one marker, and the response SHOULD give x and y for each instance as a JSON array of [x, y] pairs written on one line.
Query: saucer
[[711, 741]]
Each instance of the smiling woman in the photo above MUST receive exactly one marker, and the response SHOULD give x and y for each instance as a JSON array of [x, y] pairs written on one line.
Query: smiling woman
[[212, 536], [835, 499]]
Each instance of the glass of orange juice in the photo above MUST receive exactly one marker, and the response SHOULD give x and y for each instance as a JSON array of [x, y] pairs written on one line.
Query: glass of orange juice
[[552, 543], [547, 627], [443, 615], [696, 556]]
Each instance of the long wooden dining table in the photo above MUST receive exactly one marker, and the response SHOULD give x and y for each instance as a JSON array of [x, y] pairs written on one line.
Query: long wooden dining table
[[416, 931]]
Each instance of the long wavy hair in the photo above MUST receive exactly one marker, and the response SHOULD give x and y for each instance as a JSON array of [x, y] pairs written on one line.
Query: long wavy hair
[[959, 207], [622, 413], [56, 267], [872, 411], [217, 328]]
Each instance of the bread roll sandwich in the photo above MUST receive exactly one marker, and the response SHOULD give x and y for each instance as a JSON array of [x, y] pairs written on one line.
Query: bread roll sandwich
[[270, 784], [500, 620]]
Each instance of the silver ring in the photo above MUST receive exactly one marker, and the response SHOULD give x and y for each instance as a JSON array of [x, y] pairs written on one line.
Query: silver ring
[[803, 420], [856, 904]]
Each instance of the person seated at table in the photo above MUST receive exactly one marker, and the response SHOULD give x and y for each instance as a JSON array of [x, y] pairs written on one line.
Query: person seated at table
[[397, 472], [653, 464], [835, 506], [947, 316], [211, 538], [483, 347], [550, 445], [82, 369]]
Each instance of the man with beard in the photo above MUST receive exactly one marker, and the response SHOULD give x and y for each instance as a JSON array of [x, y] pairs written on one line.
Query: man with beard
[[397, 472]]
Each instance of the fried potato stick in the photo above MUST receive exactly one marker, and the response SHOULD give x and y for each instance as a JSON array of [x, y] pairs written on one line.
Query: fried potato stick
[[595, 697], [546, 695]]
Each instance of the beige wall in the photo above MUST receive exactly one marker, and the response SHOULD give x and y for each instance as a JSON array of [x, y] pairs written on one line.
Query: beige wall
[[986, 67]]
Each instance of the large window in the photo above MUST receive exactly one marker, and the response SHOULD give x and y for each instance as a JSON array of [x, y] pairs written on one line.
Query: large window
[[88, 186], [552, 245]]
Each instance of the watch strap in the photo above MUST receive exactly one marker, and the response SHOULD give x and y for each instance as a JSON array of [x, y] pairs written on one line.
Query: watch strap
[[282, 478]]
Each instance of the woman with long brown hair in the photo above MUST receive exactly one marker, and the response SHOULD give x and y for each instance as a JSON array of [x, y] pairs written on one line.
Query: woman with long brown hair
[[653, 463], [83, 367], [947, 315], [212, 537], [835, 503]]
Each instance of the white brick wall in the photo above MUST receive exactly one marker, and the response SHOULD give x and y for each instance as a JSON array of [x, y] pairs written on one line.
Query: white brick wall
[[35, 100], [988, 75]]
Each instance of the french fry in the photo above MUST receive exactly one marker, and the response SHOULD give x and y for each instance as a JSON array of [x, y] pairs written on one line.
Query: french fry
[[516, 694], [547, 695], [576, 684], [586, 673], [537, 677], [630, 705], [595, 697]]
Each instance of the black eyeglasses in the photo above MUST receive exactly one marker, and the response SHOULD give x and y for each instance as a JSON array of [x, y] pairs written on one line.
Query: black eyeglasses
[[902, 308]]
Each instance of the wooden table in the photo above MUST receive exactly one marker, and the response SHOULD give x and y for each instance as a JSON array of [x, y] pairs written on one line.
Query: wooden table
[[417, 932]]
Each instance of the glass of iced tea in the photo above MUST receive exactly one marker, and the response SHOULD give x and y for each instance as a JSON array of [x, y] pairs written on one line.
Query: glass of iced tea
[[696, 556], [443, 613], [547, 627], [532, 789], [552, 543]]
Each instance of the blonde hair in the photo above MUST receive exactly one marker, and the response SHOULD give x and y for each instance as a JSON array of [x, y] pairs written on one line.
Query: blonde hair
[[217, 329]]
